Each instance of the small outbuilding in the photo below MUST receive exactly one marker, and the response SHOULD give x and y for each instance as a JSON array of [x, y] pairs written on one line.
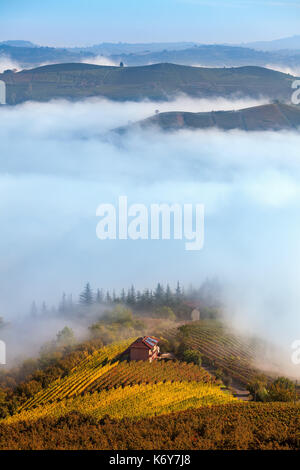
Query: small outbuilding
[[195, 315], [144, 349]]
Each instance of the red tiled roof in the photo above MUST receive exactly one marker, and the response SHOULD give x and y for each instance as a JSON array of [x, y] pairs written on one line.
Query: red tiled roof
[[146, 342]]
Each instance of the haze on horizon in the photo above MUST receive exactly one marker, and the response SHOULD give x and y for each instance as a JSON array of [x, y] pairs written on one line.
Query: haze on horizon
[[77, 23]]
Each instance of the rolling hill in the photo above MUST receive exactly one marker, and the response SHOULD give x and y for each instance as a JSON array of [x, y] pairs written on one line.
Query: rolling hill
[[214, 56], [222, 349], [258, 118], [28, 55], [290, 43], [104, 383], [105, 402], [284, 53], [157, 82]]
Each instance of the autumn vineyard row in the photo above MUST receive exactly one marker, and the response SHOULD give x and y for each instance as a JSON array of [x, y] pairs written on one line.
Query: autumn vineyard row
[[132, 401], [225, 351]]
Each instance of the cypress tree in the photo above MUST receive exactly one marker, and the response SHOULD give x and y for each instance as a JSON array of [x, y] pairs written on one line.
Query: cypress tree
[[86, 297]]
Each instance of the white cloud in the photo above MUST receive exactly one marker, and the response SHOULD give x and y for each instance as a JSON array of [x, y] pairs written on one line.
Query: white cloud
[[59, 162], [7, 63], [100, 60]]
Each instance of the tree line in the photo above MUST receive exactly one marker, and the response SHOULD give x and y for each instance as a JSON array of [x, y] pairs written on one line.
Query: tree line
[[208, 295]]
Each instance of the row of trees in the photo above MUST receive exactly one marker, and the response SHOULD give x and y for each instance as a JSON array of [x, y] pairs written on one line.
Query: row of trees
[[208, 295], [133, 298]]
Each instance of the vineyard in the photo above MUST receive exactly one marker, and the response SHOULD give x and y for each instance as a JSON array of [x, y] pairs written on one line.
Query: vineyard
[[223, 350], [231, 426], [184, 405], [81, 377], [134, 401], [104, 383], [131, 373]]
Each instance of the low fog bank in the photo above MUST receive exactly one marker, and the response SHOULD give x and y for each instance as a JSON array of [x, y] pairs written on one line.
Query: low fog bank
[[24, 336], [290, 70], [7, 63], [100, 60], [294, 71], [57, 165]]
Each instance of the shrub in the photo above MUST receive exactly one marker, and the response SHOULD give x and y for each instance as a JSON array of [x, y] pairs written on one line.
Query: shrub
[[258, 388], [165, 312], [282, 389], [190, 355]]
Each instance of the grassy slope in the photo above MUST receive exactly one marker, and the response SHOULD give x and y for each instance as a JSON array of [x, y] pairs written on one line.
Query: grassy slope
[[257, 118], [156, 82]]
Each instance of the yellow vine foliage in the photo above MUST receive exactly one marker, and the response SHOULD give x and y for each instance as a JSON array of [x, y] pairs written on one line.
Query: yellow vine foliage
[[81, 377], [135, 401]]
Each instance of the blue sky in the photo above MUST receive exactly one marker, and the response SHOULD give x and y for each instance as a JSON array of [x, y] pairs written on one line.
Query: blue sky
[[84, 22]]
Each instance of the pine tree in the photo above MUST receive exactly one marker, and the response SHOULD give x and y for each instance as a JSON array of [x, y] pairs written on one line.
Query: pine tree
[[168, 296], [70, 303], [131, 298], [138, 299], [123, 296], [132, 293], [86, 297], [108, 298], [159, 294], [63, 303], [99, 296], [44, 309], [33, 309], [178, 292]]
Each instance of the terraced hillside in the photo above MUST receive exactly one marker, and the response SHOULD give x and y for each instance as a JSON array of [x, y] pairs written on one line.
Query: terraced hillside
[[106, 402], [82, 376], [156, 82], [257, 118], [132, 373], [234, 355], [136, 401], [105, 383]]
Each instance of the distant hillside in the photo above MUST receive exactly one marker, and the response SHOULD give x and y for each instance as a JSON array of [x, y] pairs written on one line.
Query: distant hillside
[[18, 44], [109, 48], [291, 43], [212, 55], [284, 53], [258, 118], [31, 55], [156, 82]]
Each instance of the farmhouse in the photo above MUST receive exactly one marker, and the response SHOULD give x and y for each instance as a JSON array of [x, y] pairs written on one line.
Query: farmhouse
[[144, 349]]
